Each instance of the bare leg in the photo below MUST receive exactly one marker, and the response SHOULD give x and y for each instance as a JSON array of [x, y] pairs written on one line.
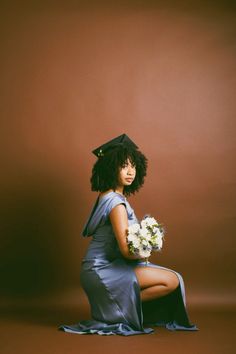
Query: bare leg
[[155, 283]]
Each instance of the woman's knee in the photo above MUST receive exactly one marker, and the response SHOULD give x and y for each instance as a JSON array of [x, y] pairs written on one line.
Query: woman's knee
[[172, 281], [150, 277]]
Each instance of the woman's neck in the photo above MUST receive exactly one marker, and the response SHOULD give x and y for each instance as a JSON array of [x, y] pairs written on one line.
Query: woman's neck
[[119, 189]]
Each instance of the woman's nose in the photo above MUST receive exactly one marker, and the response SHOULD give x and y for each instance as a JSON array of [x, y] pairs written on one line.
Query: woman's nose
[[131, 170]]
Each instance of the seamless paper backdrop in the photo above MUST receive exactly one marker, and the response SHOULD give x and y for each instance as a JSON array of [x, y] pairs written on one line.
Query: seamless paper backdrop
[[73, 77]]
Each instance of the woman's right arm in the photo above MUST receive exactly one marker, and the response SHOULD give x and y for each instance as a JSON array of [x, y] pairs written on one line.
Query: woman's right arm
[[119, 221]]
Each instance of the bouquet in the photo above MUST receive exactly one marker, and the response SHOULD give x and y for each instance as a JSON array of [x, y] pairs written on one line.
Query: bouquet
[[144, 237]]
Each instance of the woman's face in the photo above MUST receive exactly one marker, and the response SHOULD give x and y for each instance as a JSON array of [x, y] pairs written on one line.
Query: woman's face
[[127, 174]]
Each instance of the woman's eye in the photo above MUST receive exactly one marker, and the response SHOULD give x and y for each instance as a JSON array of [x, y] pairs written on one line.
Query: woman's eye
[[126, 165]]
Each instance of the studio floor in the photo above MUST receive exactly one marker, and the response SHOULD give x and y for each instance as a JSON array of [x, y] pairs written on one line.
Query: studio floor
[[31, 327]]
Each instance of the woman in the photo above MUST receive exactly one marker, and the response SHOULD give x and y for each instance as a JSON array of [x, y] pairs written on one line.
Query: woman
[[125, 293]]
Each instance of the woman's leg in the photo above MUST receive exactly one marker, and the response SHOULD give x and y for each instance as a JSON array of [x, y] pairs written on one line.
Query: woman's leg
[[155, 283]]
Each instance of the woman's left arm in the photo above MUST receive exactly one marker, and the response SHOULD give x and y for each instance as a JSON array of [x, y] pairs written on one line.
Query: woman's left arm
[[119, 221]]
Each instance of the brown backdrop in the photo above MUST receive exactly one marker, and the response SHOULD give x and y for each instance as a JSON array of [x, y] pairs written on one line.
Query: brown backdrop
[[74, 76]]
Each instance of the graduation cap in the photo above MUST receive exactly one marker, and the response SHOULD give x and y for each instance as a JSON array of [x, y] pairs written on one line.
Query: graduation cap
[[119, 140]]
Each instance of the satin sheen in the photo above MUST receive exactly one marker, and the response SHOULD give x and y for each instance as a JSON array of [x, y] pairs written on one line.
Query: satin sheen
[[112, 288]]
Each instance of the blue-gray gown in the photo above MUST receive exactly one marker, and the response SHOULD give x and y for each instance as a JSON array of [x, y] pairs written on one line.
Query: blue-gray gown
[[112, 288]]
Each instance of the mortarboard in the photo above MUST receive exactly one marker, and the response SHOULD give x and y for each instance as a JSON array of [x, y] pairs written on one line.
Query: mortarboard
[[119, 140]]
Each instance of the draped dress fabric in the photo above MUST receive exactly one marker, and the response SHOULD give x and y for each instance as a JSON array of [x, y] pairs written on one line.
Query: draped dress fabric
[[112, 287]]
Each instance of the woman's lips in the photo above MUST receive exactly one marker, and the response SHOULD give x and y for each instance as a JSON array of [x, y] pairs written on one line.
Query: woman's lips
[[129, 179]]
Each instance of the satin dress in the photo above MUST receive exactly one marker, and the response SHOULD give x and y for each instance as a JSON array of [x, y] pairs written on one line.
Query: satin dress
[[112, 288]]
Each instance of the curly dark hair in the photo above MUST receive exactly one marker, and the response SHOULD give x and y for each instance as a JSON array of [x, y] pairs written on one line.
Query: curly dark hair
[[106, 169]]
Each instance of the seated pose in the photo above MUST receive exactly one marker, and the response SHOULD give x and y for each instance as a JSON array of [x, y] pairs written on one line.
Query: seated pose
[[127, 295]]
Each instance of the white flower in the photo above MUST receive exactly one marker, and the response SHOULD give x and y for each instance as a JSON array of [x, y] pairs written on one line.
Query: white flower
[[134, 228], [144, 242], [145, 237], [136, 242], [160, 242], [143, 223], [144, 233], [158, 233], [150, 222], [131, 237], [144, 253], [157, 242]]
